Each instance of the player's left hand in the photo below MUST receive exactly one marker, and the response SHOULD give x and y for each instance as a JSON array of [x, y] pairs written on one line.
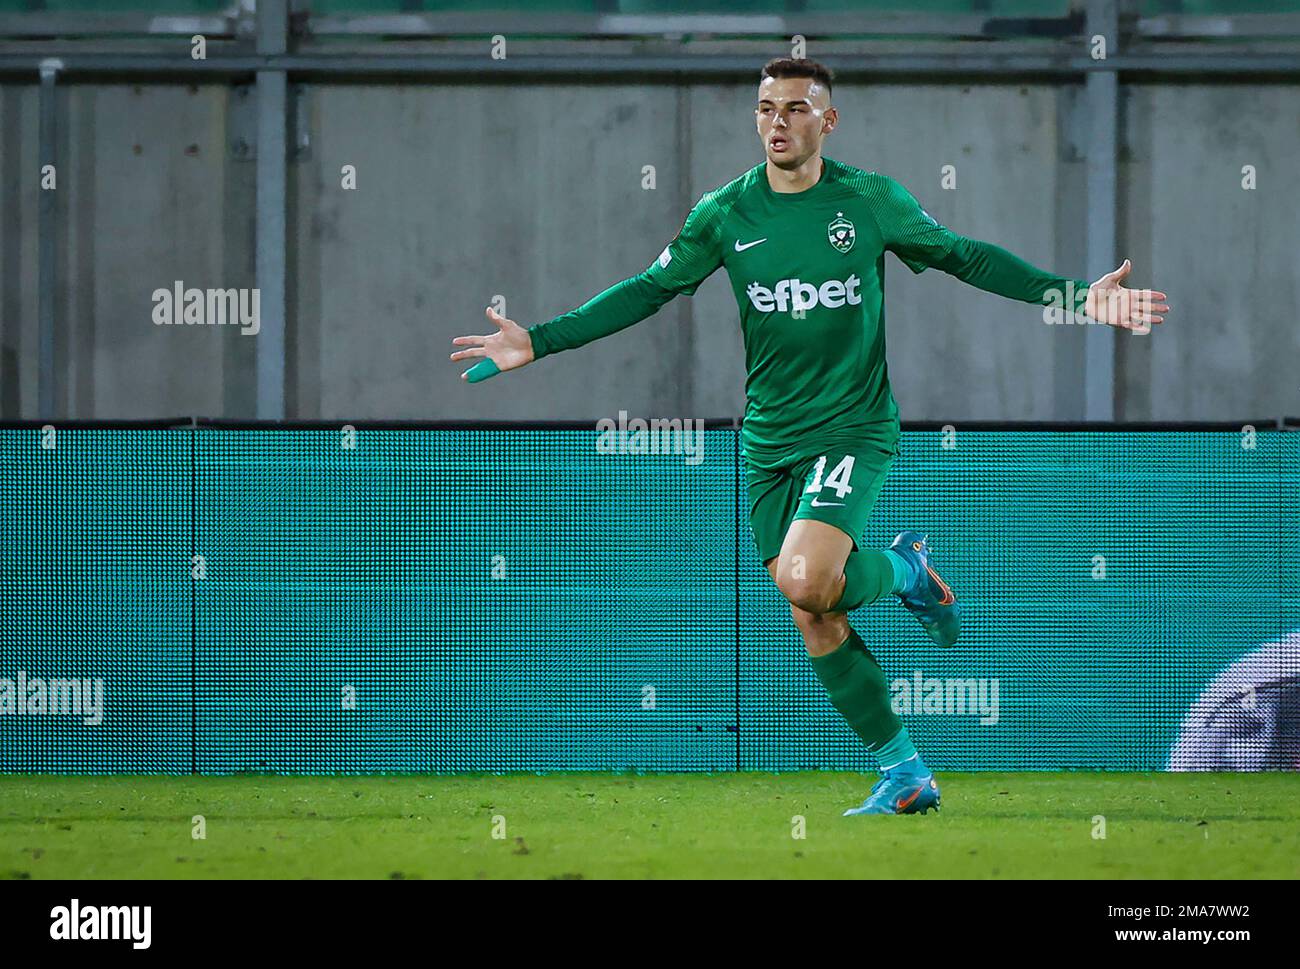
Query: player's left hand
[[1132, 309]]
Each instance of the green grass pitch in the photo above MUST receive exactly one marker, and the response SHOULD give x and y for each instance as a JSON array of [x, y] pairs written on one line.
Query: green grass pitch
[[1028, 825]]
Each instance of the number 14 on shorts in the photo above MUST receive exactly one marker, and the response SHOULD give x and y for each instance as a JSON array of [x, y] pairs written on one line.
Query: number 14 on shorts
[[837, 480]]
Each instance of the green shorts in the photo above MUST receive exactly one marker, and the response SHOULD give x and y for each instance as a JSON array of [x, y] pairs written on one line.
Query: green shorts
[[837, 484]]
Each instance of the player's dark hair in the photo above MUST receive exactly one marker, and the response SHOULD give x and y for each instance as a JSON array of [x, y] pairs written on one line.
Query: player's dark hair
[[798, 67]]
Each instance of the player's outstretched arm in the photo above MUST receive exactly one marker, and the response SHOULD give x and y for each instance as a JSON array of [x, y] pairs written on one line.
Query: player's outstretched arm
[[685, 263], [622, 305], [1110, 302], [507, 349], [993, 269], [919, 241]]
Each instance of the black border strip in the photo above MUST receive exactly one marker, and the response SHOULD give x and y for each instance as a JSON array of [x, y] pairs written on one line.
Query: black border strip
[[194, 608], [1281, 514], [165, 423], [711, 423], [735, 575], [1260, 425]]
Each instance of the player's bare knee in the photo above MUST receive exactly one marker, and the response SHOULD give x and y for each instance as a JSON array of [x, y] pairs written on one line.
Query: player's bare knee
[[795, 590], [812, 594], [805, 620]]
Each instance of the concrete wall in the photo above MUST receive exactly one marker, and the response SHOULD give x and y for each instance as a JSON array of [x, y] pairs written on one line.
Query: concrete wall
[[1228, 257], [547, 209], [18, 214], [148, 194], [535, 194]]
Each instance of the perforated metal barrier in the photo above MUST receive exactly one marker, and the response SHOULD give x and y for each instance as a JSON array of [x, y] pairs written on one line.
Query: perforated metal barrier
[[412, 600]]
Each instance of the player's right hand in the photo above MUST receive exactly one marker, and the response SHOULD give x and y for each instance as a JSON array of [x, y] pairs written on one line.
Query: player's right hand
[[510, 347]]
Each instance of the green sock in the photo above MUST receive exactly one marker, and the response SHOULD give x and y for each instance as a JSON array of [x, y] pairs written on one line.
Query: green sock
[[903, 571], [858, 690], [869, 575], [896, 751]]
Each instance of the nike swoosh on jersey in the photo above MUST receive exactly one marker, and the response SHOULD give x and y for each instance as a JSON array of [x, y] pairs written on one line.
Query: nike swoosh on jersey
[[748, 245], [827, 504]]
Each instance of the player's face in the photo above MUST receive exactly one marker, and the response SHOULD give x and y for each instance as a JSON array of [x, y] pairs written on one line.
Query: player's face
[[794, 114]]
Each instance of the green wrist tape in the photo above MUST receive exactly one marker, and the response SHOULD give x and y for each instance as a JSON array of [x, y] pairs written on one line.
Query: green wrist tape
[[481, 371]]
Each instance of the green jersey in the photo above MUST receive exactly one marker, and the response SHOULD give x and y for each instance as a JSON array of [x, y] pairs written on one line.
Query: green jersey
[[808, 273]]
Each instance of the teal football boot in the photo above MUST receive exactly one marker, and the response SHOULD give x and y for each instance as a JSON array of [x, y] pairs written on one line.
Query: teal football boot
[[929, 599], [906, 788]]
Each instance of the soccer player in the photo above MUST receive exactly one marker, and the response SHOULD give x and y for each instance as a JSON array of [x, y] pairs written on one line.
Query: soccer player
[[803, 239]]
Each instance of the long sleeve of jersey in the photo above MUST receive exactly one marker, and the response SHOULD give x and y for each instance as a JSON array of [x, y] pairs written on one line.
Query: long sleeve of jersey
[[685, 263], [920, 242]]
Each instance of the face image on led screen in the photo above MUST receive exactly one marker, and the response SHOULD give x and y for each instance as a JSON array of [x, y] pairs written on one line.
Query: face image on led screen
[[1248, 718]]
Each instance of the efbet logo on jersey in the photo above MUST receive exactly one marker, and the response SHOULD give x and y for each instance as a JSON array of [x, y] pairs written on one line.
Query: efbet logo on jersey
[[841, 233], [796, 295]]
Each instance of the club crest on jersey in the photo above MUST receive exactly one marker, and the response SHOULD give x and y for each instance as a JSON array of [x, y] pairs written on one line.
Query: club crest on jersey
[[840, 232]]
